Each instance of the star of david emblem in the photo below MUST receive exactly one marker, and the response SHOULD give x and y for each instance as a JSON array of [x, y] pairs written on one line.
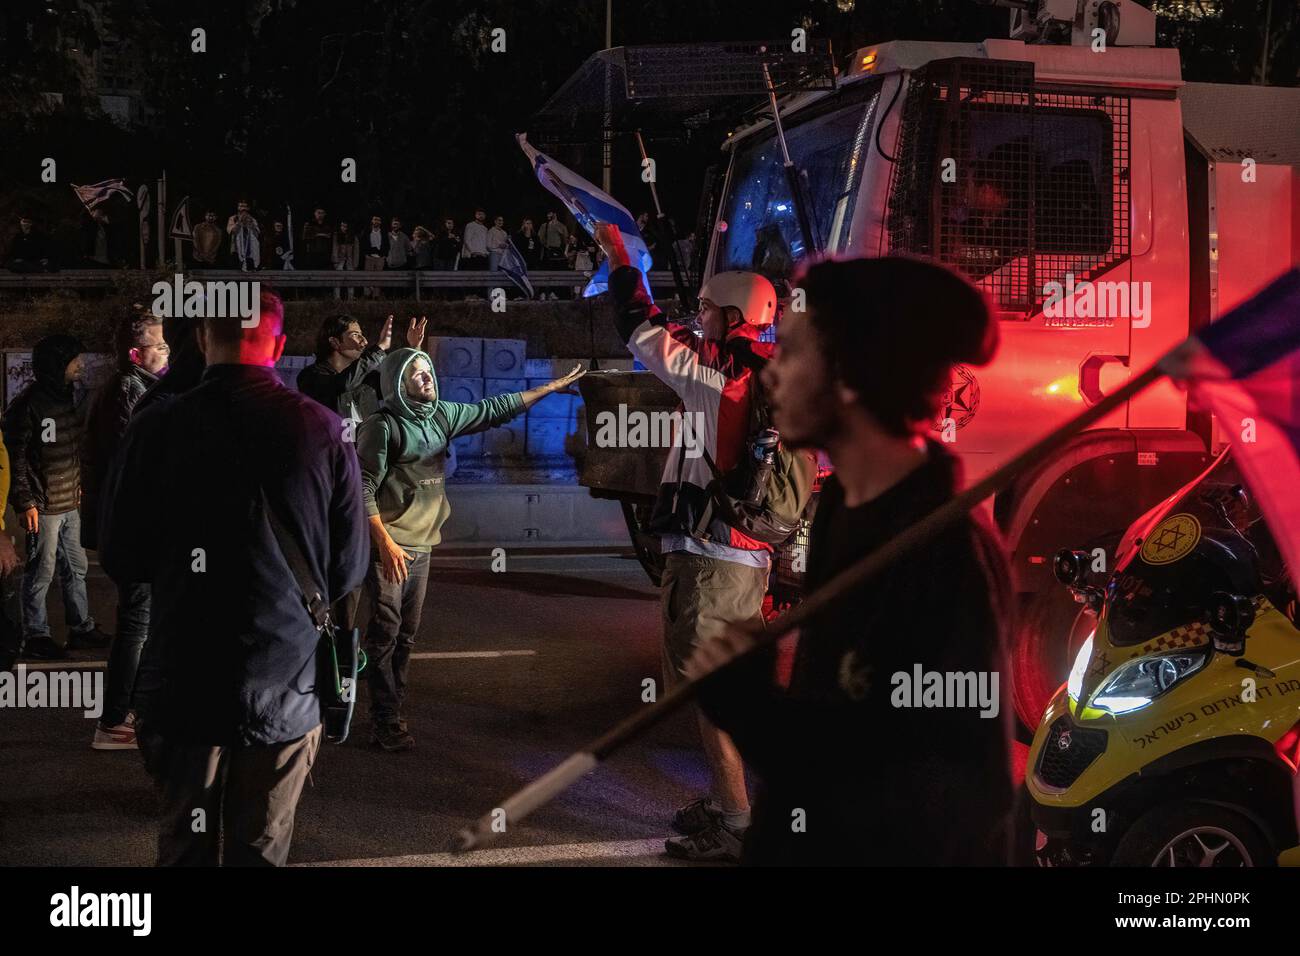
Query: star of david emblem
[[1168, 539], [1100, 663], [1172, 539]]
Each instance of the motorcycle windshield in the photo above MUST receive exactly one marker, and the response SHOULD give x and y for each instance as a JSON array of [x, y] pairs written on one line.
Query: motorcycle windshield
[[1202, 541]]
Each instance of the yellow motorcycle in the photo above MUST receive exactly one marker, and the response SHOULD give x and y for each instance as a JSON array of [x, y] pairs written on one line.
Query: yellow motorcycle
[[1176, 738]]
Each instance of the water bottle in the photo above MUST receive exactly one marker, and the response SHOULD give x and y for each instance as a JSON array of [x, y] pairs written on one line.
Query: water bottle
[[764, 457]]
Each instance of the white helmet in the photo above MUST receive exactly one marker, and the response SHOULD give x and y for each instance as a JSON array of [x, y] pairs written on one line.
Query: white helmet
[[749, 292]]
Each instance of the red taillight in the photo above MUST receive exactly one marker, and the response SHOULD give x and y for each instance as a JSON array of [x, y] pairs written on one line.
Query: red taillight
[[1288, 747]]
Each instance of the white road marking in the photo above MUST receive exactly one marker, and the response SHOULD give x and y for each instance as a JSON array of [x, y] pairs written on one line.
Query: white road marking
[[514, 856]]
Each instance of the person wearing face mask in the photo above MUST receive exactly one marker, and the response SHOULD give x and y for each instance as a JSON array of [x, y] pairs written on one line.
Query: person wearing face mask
[[142, 356], [403, 450]]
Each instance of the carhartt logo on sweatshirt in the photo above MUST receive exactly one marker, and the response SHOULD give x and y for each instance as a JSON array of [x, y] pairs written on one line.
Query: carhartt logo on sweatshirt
[[949, 689], [76, 909]]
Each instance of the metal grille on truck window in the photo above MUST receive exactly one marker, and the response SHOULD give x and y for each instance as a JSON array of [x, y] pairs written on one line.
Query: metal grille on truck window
[[1014, 184]]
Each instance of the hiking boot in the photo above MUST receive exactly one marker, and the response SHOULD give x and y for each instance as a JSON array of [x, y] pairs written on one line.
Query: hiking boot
[[93, 639], [42, 648], [696, 816], [120, 737], [391, 737], [716, 844]]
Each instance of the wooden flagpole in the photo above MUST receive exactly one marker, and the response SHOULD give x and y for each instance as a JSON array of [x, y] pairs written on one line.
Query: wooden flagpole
[[536, 794]]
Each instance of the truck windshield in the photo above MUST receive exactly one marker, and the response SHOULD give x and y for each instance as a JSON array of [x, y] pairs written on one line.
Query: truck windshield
[[828, 143]]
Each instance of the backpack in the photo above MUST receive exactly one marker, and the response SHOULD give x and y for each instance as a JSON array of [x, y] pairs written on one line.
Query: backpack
[[786, 490]]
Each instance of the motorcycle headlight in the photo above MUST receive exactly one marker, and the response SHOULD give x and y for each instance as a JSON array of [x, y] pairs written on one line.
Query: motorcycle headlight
[[1139, 682], [1074, 685]]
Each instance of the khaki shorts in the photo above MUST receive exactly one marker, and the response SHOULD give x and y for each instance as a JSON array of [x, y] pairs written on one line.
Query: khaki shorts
[[700, 597]]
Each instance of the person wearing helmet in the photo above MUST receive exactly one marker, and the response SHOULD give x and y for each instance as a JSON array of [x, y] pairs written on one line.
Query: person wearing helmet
[[715, 574]]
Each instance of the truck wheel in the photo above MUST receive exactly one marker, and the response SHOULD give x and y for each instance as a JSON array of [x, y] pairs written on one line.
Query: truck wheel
[[1049, 632], [1192, 833]]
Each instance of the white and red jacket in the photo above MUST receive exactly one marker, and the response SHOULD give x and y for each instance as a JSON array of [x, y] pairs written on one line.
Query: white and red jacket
[[712, 379]]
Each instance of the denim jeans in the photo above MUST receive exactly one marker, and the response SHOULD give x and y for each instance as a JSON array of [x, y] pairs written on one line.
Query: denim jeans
[[124, 657], [390, 636], [58, 544]]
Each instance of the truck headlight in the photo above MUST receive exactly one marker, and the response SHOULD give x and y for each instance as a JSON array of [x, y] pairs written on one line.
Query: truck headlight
[[1139, 682], [1074, 686]]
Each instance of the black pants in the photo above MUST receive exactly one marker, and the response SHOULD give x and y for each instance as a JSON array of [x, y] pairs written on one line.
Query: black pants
[[124, 658], [390, 636]]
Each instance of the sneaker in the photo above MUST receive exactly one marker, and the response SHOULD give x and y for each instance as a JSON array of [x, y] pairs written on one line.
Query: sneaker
[[93, 639], [717, 844], [121, 737], [391, 737], [42, 648], [696, 816]]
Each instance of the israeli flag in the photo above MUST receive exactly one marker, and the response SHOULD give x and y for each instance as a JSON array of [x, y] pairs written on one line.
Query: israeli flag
[[514, 266], [591, 206]]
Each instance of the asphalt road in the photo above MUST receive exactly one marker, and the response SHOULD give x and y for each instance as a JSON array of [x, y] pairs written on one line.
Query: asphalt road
[[519, 669]]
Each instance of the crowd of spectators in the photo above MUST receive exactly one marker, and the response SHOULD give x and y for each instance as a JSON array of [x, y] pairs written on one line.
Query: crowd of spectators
[[252, 239]]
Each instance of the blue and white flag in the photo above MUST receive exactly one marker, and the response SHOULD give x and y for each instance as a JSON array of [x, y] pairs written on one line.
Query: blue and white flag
[[92, 196], [514, 266], [591, 206]]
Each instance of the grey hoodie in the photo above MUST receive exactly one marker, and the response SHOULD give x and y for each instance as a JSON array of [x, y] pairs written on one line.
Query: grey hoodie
[[403, 447]]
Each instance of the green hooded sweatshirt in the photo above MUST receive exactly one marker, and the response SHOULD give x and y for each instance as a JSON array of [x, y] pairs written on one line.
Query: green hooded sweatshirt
[[403, 446]]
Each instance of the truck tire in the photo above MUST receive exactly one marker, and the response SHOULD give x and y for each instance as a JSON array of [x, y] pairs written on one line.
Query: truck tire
[[1050, 629]]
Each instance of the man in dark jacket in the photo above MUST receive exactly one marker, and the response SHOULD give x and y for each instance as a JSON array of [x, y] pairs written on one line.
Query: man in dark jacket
[[42, 427], [228, 711], [403, 450], [141, 359], [317, 242], [345, 376], [891, 746]]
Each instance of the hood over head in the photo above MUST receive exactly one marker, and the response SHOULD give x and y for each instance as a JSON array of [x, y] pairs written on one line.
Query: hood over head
[[391, 372], [50, 358]]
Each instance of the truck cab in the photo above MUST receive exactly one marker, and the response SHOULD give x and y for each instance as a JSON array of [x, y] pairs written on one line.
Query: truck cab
[[1107, 208]]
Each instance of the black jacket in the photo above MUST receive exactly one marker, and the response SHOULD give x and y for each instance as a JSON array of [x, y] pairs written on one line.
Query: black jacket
[[231, 656], [106, 421], [337, 391], [29, 247], [879, 783], [42, 429], [368, 248]]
